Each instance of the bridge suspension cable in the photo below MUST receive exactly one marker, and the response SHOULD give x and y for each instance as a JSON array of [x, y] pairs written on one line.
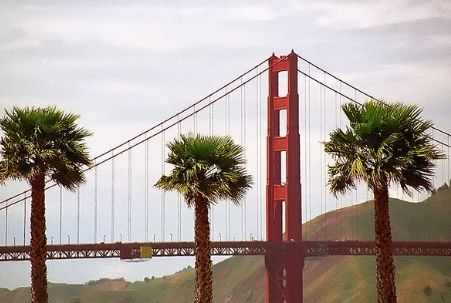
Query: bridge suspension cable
[[356, 90], [309, 132], [113, 182], [6, 224], [78, 215], [95, 203], [212, 207], [258, 158], [163, 193], [60, 213], [24, 220], [179, 197], [243, 143], [184, 114], [227, 125], [129, 194]]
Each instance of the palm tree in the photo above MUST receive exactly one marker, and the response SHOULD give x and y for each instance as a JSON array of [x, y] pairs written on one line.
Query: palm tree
[[206, 170], [39, 143], [385, 144]]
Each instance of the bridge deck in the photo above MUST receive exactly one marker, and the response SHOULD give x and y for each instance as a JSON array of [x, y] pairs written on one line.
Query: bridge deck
[[127, 251]]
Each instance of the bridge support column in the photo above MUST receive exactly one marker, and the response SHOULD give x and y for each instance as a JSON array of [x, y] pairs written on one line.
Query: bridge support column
[[283, 192]]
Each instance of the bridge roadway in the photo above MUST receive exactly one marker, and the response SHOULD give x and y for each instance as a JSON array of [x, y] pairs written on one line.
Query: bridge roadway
[[140, 250]]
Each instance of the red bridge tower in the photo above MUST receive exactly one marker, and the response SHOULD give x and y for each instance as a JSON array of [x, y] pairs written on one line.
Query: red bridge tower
[[283, 192]]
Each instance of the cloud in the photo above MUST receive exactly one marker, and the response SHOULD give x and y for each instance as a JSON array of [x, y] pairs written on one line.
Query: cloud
[[252, 13], [144, 27], [377, 13]]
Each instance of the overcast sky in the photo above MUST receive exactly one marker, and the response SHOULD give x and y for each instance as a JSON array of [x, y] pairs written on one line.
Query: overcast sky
[[125, 65]]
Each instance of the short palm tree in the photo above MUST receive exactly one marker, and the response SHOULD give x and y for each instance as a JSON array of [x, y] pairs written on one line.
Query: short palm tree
[[385, 144], [39, 143], [206, 170]]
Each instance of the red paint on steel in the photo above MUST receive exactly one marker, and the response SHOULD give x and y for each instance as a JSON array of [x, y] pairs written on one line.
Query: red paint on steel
[[283, 200]]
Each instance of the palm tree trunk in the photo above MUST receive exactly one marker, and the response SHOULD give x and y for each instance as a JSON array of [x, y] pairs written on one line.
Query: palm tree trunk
[[204, 290], [38, 253], [386, 289]]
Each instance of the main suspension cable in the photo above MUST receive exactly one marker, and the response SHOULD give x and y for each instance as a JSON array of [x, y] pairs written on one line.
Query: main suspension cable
[[357, 89], [161, 124]]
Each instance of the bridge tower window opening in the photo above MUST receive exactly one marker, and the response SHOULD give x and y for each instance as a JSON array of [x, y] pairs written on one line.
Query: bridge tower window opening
[[283, 167], [284, 220], [282, 123], [283, 83]]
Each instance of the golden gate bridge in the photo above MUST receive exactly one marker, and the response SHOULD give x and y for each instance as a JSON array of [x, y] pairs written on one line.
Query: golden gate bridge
[[280, 110]]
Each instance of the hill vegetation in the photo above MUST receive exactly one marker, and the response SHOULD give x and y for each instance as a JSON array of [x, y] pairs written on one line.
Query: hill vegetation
[[336, 279]]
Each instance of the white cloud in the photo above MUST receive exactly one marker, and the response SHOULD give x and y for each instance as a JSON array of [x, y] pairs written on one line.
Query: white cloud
[[193, 12], [375, 13], [250, 13]]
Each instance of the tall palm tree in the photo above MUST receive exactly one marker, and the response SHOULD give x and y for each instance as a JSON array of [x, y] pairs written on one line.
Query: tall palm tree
[[385, 144], [206, 170], [39, 143]]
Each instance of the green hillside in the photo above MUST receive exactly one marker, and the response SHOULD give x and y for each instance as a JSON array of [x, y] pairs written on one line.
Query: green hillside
[[332, 279], [425, 221], [237, 279]]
